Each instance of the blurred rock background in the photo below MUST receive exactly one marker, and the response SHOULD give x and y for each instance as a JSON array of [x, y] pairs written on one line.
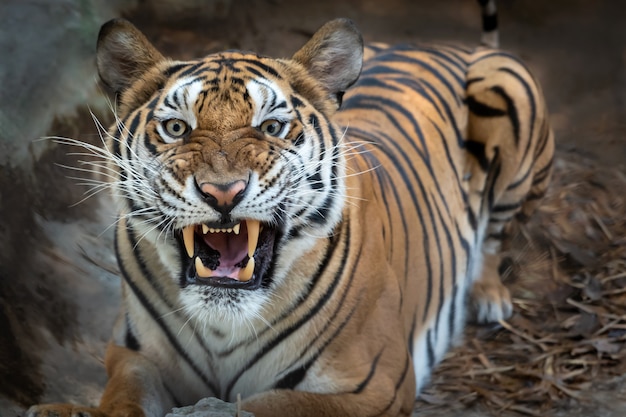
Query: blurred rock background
[[58, 283]]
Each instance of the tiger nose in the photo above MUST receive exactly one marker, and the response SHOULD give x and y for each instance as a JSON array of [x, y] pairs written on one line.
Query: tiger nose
[[223, 197]]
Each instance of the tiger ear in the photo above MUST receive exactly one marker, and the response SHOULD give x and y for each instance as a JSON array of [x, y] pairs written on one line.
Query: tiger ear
[[123, 53], [334, 55]]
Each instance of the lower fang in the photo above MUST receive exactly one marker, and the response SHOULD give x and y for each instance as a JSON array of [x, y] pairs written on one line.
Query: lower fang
[[246, 273], [201, 270]]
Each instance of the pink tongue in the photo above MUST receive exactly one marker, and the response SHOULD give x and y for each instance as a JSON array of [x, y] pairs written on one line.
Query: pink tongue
[[232, 248]]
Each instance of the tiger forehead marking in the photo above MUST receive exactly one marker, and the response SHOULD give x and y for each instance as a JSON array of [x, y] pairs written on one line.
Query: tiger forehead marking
[[179, 102], [224, 110], [269, 102]]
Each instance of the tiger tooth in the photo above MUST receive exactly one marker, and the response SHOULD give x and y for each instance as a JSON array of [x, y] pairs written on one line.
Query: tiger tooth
[[205, 229], [253, 236], [201, 270], [246, 273], [236, 228], [188, 233]]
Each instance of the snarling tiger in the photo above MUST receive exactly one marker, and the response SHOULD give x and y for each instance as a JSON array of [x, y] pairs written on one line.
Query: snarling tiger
[[311, 251]]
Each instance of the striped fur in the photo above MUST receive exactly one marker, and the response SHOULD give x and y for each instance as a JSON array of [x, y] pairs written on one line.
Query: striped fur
[[384, 218]]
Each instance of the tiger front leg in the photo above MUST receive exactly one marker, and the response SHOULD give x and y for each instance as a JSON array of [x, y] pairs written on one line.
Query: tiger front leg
[[306, 404], [63, 410], [134, 389], [354, 382]]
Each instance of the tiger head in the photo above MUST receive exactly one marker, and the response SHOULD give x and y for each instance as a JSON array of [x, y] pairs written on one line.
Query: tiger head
[[228, 165]]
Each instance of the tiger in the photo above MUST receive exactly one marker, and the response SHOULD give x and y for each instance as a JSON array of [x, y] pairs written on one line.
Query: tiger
[[311, 234]]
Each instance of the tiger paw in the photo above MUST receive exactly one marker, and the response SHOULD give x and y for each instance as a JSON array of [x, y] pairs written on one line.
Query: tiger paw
[[490, 300], [63, 410], [70, 410]]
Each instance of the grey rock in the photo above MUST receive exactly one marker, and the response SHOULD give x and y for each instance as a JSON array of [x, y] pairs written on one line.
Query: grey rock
[[209, 407]]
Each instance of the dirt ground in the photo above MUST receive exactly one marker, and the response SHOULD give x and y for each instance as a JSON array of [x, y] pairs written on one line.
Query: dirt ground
[[563, 352]]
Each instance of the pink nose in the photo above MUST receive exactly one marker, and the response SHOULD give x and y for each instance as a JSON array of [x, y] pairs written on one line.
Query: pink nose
[[222, 196]]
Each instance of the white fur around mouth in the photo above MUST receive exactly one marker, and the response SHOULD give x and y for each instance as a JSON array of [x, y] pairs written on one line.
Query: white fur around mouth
[[244, 274]]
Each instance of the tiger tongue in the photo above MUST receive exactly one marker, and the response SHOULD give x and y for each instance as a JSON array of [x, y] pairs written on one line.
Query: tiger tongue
[[231, 244], [232, 248]]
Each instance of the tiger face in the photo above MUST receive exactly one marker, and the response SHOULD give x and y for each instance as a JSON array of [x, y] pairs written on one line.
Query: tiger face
[[228, 165]]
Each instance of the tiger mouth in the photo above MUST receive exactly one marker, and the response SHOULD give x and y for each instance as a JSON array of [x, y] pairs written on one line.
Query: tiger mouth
[[235, 256]]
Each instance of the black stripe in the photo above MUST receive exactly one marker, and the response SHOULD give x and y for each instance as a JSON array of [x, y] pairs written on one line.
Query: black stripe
[[533, 106], [460, 80], [494, 174], [375, 48], [471, 81], [296, 102], [477, 150], [134, 124], [542, 141], [440, 253], [370, 374], [543, 173], [168, 72], [175, 400], [333, 243], [498, 54], [451, 118], [194, 69], [453, 312], [399, 382], [292, 379], [412, 332], [446, 54], [490, 22], [143, 299], [130, 340], [430, 352], [262, 66], [167, 102], [117, 139], [320, 215], [452, 165], [511, 111], [465, 246], [431, 69], [520, 181], [452, 260], [315, 180], [330, 290], [381, 70], [417, 207], [499, 208], [383, 105], [377, 83], [482, 109]]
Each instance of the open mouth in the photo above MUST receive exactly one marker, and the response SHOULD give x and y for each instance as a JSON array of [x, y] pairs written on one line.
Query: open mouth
[[236, 255]]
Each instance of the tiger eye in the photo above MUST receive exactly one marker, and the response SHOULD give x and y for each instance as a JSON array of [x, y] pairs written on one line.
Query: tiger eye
[[272, 127], [175, 127]]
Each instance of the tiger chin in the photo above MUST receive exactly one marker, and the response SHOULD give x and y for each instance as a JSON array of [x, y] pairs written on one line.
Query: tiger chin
[[308, 233]]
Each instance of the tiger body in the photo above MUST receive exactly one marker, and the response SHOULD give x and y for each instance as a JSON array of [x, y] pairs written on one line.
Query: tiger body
[[377, 221]]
